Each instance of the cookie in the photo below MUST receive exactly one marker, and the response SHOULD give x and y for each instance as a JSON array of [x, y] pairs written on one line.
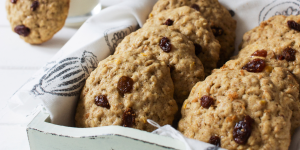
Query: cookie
[[126, 90], [272, 29], [237, 109], [190, 23], [270, 62], [36, 21], [280, 52], [279, 39], [219, 19], [174, 49]]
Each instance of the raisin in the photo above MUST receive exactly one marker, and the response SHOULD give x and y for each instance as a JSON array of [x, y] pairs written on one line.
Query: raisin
[[22, 30], [217, 31], [242, 130], [206, 101], [102, 101], [215, 140], [34, 5], [260, 53], [293, 25], [13, 1], [125, 85], [232, 13], [128, 118], [165, 44], [195, 6], [256, 65], [289, 54], [198, 49], [280, 57], [169, 22]]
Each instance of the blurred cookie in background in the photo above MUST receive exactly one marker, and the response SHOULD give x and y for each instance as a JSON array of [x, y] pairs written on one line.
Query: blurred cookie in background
[[37, 21]]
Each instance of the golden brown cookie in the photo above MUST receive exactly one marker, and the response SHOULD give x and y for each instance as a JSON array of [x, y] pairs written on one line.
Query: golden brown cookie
[[275, 30], [283, 53], [270, 62], [237, 109], [126, 90], [174, 49], [190, 23], [219, 19], [277, 40], [36, 21]]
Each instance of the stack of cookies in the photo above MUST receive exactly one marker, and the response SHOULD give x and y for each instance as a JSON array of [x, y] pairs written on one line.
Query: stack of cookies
[[154, 69], [252, 102]]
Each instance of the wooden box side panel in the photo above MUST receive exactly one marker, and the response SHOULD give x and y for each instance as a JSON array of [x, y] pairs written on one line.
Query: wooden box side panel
[[45, 141], [43, 135]]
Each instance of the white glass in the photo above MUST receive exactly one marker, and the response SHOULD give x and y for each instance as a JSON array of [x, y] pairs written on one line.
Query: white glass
[[81, 10], [107, 3]]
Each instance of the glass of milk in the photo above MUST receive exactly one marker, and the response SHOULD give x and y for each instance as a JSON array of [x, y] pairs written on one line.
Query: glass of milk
[[81, 10]]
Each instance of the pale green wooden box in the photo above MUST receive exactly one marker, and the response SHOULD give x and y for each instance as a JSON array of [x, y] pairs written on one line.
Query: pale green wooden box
[[43, 135]]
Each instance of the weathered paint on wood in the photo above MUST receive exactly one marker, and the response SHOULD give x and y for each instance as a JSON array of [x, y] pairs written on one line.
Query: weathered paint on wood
[[43, 135]]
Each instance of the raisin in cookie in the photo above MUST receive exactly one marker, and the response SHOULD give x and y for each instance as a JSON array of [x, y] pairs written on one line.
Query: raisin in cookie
[[273, 29], [280, 51], [174, 49], [219, 18], [237, 109], [36, 21], [278, 41], [126, 90], [265, 61], [190, 23]]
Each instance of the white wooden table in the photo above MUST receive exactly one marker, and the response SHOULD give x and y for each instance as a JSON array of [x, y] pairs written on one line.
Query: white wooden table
[[18, 61]]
